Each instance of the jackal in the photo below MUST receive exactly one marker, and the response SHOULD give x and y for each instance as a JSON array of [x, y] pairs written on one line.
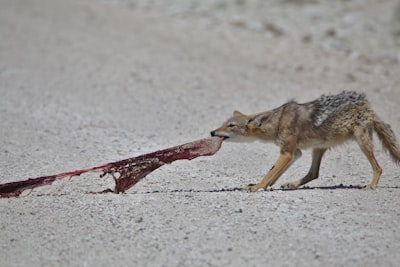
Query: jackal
[[321, 124]]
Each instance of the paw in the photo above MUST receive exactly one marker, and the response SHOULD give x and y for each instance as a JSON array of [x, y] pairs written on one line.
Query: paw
[[253, 187], [290, 185], [370, 187]]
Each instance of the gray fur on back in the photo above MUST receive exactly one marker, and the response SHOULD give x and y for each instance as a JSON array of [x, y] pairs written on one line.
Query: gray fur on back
[[329, 104]]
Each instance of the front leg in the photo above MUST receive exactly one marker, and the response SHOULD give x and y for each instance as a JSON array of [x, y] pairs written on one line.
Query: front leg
[[312, 174], [284, 161]]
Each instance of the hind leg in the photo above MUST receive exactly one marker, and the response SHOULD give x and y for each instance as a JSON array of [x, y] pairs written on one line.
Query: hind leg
[[363, 137], [313, 173]]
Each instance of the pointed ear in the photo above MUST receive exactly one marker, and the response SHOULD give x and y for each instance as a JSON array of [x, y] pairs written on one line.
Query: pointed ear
[[261, 118], [237, 113]]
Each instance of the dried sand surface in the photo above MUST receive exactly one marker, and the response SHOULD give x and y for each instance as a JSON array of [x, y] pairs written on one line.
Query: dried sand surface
[[87, 82]]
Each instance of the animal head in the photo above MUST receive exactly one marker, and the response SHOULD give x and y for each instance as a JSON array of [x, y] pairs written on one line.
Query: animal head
[[235, 127]]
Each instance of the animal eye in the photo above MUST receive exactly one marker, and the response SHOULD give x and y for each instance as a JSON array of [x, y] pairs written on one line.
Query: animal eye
[[230, 125]]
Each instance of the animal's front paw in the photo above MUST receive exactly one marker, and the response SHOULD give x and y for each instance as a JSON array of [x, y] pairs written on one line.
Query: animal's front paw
[[253, 187], [290, 185], [370, 187]]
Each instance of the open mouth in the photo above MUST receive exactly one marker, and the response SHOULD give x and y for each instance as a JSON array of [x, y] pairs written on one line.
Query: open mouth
[[215, 134]]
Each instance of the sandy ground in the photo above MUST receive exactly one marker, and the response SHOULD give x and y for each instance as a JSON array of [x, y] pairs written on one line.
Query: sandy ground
[[87, 82]]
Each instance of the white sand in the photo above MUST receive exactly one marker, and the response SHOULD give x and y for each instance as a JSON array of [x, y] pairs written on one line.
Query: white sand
[[83, 83]]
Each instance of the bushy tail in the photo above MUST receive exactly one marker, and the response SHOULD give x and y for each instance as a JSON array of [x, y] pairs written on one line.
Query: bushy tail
[[388, 139]]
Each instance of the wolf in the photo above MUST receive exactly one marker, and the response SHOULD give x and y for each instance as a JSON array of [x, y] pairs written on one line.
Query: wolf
[[321, 124]]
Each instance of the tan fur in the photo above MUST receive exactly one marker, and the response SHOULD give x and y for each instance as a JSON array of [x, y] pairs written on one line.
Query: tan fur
[[320, 124]]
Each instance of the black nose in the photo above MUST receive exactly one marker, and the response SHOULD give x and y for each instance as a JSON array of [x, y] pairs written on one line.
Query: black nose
[[212, 133]]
